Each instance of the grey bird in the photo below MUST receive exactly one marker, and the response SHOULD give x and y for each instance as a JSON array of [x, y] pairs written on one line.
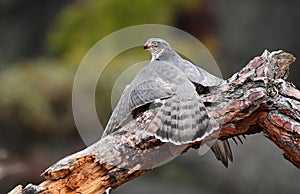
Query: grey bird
[[171, 85]]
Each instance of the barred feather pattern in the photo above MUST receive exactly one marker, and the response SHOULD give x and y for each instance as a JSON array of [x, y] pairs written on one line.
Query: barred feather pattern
[[182, 121]]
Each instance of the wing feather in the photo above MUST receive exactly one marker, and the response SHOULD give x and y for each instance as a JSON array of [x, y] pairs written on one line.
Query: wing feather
[[137, 95]]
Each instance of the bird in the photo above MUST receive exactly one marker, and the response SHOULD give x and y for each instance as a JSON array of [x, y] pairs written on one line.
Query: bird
[[171, 85]]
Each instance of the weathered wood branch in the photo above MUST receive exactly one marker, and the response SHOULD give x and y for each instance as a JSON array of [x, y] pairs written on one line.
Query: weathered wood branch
[[256, 99]]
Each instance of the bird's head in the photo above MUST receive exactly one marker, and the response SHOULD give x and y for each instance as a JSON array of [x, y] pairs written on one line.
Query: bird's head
[[156, 46]]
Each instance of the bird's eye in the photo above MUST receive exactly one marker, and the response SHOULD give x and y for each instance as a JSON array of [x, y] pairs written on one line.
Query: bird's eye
[[154, 43]]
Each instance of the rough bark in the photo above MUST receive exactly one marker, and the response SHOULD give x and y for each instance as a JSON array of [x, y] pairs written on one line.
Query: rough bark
[[256, 99]]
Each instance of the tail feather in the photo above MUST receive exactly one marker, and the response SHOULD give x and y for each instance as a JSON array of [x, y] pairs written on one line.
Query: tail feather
[[222, 151]]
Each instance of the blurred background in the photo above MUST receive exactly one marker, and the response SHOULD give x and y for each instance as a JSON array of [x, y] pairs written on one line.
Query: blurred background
[[43, 42]]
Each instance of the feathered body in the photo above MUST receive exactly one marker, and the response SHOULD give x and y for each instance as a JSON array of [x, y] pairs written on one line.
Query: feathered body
[[171, 82]]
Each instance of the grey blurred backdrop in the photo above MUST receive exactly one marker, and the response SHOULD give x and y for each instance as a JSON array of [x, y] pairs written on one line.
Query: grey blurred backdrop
[[43, 42]]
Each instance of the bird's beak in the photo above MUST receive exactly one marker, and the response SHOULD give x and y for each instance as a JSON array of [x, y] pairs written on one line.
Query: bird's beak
[[146, 46]]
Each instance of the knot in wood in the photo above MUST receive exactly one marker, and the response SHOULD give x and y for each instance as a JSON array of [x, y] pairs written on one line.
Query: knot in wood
[[272, 91], [271, 87]]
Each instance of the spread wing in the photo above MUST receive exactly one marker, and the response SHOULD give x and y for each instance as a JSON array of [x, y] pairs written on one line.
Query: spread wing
[[134, 96]]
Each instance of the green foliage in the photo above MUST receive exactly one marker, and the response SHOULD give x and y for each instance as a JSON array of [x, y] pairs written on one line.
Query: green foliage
[[81, 25], [36, 96]]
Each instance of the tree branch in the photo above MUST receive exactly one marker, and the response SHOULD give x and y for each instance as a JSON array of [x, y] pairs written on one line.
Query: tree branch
[[256, 99]]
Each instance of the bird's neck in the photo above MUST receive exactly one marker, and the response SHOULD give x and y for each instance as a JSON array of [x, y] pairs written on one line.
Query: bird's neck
[[166, 55]]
